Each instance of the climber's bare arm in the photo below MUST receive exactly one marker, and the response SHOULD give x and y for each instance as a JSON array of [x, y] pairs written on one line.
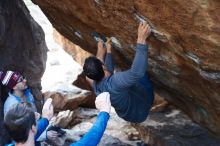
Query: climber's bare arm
[[108, 58], [108, 45], [101, 51]]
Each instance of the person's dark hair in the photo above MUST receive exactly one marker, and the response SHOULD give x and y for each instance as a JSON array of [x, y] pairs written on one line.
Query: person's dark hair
[[93, 68], [18, 121]]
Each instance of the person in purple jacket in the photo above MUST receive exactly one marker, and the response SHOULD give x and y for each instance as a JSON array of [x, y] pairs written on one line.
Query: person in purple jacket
[[21, 123], [131, 91]]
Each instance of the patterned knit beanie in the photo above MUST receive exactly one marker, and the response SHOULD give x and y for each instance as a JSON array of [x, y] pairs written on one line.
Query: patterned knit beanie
[[10, 78]]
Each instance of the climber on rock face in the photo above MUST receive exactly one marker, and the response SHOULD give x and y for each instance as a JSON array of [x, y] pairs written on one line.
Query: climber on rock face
[[131, 91], [22, 125]]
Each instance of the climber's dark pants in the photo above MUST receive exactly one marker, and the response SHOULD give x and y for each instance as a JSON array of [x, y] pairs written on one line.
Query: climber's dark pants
[[147, 83]]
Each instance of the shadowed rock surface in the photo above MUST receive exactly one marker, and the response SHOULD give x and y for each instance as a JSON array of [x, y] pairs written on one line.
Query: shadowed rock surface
[[184, 50], [22, 49], [118, 132], [171, 127], [22, 43]]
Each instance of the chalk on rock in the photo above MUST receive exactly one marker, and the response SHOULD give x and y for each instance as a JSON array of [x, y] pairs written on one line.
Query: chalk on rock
[[158, 35], [98, 37]]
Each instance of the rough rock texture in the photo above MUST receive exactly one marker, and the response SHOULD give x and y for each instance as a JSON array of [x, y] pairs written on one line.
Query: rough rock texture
[[22, 46], [171, 127], [184, 55], [79, 55], [83, 84], [117, 133], [83, 119], [22, 42], [70, 101]]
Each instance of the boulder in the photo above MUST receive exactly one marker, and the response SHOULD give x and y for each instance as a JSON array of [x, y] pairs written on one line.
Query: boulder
[[22, 44], [171, 127], [69, 100], [184, 61], [22, 49], [84, 119], [82, 83], [118, 132], [78, 54], [63, 118]]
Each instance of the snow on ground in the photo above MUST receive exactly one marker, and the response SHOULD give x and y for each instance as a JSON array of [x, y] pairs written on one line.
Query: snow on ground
[[61, 69]]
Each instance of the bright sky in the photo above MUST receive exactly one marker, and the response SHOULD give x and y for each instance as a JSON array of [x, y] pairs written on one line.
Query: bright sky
[[61, 69]]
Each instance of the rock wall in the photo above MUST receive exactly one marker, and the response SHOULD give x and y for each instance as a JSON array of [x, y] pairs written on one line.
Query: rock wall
[[184, 60], [22, 48], [79, 55], [173, 128], [22, 42]]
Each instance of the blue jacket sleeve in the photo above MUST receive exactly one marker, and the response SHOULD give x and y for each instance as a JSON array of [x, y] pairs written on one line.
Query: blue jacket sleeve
[[109, 62], [94, 135], [41, 126], [129, 77]]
